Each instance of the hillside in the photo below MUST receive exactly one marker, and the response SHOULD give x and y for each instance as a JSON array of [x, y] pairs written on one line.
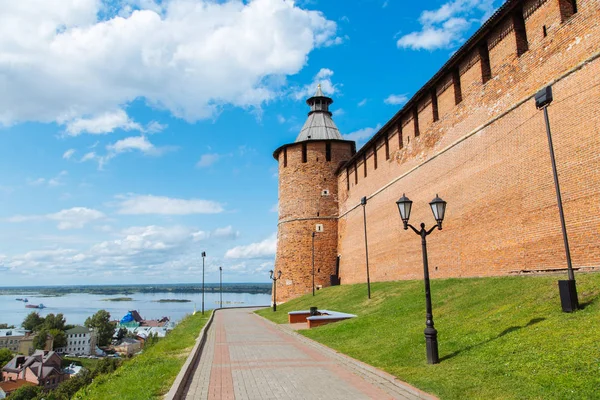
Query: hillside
[[499, 338], [150, 374]]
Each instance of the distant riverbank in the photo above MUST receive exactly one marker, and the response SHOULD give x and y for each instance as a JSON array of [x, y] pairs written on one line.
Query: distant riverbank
[[77, 307], [126, 290]]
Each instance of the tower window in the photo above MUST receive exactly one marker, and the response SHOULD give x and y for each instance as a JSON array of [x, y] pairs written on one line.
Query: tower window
[[567, 9], [365, 163], [375, 156], [328, 151], [347, 179], [520, 32], [304, 152], [416, 120], [387, 147], [457, 87], [484, 57], [400, 139], [355, 174], [434, 105], [285, 157]]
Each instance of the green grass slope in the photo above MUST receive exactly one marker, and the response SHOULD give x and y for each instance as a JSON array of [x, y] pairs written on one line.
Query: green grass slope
[[150, 374], [499, 338]]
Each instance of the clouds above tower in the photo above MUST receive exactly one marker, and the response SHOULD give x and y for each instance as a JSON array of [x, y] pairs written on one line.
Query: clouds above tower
[[89, 59]]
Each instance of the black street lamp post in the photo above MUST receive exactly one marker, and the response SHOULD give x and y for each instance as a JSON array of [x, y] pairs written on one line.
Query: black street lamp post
[[275, 279], [203, 256], [438, 206], [221, 286], [567, 289], [363, 201]]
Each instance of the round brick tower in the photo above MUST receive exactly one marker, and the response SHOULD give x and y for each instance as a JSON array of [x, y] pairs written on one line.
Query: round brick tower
[[308, 202]]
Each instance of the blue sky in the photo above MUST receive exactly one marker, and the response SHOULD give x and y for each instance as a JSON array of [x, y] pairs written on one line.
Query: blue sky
[[135, 134]]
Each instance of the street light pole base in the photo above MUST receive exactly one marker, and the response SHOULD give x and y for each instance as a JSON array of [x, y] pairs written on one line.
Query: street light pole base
[[568, 295], [432, 346]]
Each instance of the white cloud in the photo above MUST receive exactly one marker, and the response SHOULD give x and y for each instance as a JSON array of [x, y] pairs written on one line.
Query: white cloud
[[51, 182], [132, 143], [68, 154], [323, 78], [73, 218], [206, 160], [103, 123], [141, 251], [225, 233], [362, 102], [140, 143], [362, 135], [148, 204], [263, 249], [280, 119], [275, 207], [338, 112], [444, 27], [189, 57], [396, 99]]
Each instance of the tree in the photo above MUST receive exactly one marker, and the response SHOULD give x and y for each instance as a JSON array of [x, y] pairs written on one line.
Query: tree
[[6, 326], [55, 322], [26, 393], [33, 321], [101, 323], [60, 338], [121, 333], [39, 341], [5, 357]]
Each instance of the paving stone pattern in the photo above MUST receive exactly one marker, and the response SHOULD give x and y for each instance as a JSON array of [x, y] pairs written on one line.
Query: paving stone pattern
[[247, 357]]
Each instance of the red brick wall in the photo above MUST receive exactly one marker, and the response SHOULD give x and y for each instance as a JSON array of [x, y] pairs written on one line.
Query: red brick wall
[[302, 205], [488, 158]]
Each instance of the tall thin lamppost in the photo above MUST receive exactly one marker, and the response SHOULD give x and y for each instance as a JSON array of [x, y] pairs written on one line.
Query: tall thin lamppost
[[438, 206], [275, 279], [203, 256], [363, 201], [221, 286], [313, 262], [568, 288]]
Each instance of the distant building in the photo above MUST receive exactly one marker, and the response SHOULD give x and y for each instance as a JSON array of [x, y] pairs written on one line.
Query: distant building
[[128, 346], [43, 368], [133, 319], [7, 387], [10, 338], [80, 340], [72, 370], [26, 344]]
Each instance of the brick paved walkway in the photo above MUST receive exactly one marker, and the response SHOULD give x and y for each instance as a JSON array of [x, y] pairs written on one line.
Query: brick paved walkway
[[247, 357]]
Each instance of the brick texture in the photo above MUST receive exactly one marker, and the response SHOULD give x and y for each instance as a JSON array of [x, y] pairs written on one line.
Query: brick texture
[[487, 157], [302, 205]]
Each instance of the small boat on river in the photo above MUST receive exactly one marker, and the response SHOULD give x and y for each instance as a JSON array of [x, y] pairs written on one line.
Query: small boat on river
[[35, 305]]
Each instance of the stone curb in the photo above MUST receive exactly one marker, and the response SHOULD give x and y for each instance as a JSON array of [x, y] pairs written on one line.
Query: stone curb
[[184, 374], [178, 387], [377, 377]]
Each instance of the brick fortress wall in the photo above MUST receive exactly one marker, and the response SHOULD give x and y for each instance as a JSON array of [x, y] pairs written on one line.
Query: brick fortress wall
[[476, 138], [308, 195]]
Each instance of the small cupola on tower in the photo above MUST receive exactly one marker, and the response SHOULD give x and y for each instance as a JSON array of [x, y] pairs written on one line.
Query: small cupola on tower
[[319, 125]]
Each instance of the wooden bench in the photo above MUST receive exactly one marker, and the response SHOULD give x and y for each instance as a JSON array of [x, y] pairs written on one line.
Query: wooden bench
[[323, 317]]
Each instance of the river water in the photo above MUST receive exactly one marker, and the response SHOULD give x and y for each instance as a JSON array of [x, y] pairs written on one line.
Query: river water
[[76, 307]]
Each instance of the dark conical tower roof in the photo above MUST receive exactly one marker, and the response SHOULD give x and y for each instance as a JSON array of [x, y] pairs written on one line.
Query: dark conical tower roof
[[319, 125]]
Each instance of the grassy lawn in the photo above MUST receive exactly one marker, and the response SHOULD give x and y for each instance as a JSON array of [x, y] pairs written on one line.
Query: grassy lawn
[[499, 338], [150, 374]]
